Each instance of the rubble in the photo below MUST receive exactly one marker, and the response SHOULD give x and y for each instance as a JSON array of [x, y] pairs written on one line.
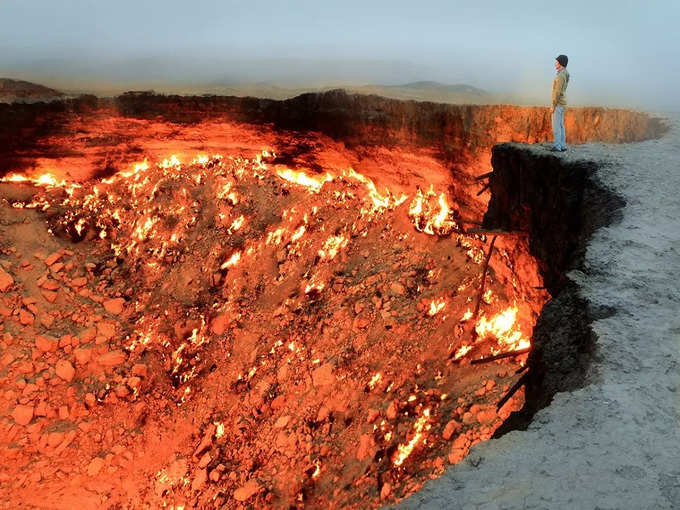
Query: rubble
[[280, 334]]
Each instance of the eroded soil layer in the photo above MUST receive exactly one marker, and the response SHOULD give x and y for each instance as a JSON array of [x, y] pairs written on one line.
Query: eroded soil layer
[[231, 331]]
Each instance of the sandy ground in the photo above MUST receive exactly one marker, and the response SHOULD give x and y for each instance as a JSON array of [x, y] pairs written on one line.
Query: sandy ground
[[616, 442]]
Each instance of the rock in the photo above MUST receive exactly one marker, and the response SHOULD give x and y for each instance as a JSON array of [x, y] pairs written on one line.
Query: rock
[[365, 445], [282, 422], [65, 370], [385, 491], [95, 466], [46, 320], [54, 257], [25, 317], [49, 296], [82, 355], [22, 414], [140, 370], [486, 416], [207, 439], [205, 460], [392, 410], [450, 429], [397, 289], [219, 324], [6, 280], [468, 418], [323, 376], [45, 344], [79, 282], [246, 491], [105, 329], [54, 439], [199, 479], [121, 391], [88, 335], [50, 285], [112, 358], [114, 306]]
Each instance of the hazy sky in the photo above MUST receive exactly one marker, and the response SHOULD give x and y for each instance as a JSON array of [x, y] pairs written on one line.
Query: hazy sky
[[621, 52]]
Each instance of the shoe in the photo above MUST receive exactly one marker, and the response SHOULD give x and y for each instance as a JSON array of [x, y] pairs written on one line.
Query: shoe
[[554, 149]]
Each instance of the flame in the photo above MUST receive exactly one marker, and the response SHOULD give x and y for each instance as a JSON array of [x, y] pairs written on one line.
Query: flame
[[171, 162], [301, 178], [298, 233], [503, 327], [377, 199], [462, 351], [374, 380], [237, 223], [231, 261], [317, 471], [404, 450], [436, 306], [430, 218], [219, 429], [332, 246]]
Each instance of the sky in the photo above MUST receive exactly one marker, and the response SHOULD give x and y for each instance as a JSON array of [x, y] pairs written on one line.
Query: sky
[[621, 53]]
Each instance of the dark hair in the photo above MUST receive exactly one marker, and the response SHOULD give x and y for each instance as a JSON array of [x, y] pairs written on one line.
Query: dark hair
[[563, 60]]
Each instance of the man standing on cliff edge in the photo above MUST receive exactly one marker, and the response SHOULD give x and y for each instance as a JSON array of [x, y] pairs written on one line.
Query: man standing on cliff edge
[[559, 101]]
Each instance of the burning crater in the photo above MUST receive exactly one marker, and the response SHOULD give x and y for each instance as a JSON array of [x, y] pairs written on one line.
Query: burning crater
[[326, 327]]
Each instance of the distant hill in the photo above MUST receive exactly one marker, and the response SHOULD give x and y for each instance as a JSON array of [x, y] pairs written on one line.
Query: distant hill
[[417, 91], [19, 90], [430, 91], [24, 91]]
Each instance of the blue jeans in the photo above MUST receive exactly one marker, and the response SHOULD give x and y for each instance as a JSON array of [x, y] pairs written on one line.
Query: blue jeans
[[558, 128]]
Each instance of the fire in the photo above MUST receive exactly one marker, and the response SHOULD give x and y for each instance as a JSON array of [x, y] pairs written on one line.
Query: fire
[[298, 233], [171, 162], [430, 218], [332, 246], [313, 184], [462, 352], [231, 261], [503, 327], [374, 380], [404, 450], [219, 429], [237, 224], [379, 201], [436, 306]]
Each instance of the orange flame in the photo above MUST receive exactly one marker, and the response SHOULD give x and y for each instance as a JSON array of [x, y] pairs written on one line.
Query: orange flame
[[436, 306], [430, 218], [404, 450], [314, 184], [503, 326]]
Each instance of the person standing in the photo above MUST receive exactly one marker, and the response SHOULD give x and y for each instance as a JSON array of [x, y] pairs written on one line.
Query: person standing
[[559, 101]]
